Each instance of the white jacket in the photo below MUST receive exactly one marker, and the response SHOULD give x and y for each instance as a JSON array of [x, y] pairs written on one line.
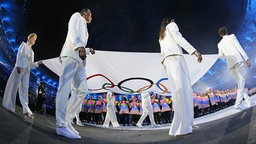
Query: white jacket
[[231, 50], [25, 57], [111, 100], [173, 41], [146, 100], [77, 36]]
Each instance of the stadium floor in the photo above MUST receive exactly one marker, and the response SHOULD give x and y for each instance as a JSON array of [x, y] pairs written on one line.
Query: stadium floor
[[222, 127]]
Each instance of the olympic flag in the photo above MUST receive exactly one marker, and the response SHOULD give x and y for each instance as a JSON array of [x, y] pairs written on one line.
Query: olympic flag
[[132, 72]]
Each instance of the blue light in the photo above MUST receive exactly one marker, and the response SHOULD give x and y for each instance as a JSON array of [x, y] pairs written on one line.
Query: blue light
[[5, 5], [43, 77], [12, 40], [38, 73], [6, 19], [9, 30], [249, 38], [15, 48]]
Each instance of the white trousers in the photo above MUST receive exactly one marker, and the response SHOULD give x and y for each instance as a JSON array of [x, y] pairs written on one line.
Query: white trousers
[[147, 111], [75, 102], [78, 110], [17, 81], [111, 117], [73, 72], [239, 72], [181, 91]]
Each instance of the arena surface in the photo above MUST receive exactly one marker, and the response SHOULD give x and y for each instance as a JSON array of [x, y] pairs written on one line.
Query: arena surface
[[222, 127]]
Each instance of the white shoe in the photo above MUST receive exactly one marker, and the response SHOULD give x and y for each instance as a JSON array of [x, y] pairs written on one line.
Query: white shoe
[[69, 125], [66, 132], [155, 125], [139, 125], [118, 127], [195, 127], [250, 103], [240, 107], [28, 116], [105, 126], [79, 123]]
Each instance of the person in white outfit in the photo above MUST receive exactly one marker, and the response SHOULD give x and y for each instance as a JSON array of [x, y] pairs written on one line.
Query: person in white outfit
[[72, 58], [19, 78], [78, 121], [75, 100], [111, 113], [236, 58], [147, 110], [171, 44]]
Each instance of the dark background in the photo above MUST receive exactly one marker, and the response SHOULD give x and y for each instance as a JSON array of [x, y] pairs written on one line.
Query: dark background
[[133, 25]]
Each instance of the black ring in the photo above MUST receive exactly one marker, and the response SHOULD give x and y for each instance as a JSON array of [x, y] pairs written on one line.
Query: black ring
[[134, 78]]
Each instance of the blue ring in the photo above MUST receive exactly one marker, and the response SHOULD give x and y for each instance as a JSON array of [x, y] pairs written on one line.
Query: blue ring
[[157, 83]]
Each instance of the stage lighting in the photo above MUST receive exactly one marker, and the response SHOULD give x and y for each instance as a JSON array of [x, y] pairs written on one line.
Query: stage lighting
[[254, 21]]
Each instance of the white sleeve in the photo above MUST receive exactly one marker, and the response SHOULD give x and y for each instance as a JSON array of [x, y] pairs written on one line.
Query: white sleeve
[[34, 65], [87, 50], [239, 48], [161, 49], [20, 54], [220, 53], [74, 30], [174, 30]]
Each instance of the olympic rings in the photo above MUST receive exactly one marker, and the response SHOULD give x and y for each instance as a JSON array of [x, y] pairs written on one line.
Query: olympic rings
[[134, 78], [164, 91], [104, 86], [107, 86], [157, 83], [147, 87], [112, 84]]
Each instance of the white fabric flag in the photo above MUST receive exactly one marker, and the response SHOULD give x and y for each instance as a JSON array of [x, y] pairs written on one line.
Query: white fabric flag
[[132, 72]]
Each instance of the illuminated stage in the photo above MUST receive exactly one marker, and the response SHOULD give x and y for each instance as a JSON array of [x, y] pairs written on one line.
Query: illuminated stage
[[225, 126]]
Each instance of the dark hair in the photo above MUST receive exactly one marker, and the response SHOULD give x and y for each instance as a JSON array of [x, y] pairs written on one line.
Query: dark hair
[[223, 31], [164, 23], [84, 11], [124, 98]]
